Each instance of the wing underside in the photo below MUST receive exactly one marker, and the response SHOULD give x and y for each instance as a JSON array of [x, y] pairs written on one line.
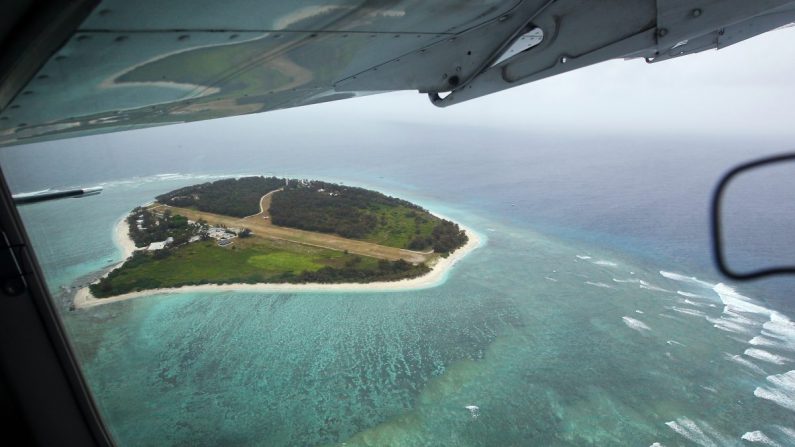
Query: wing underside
[[115, 65]]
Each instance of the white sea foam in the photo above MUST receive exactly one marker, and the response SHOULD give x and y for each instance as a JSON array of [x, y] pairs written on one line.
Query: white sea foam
[[647, 286], [728, 326], [780, 331], [738, 303], [598, 284], [761, 340], [766, 333], [550, 279], [583, 257], [788, 432], [171, 177], [686, 279], [691, 295], [703, 435], [740, 360], [742, 315], [734, 317], [780, 391], [638, 311], [656, 444], [674, 342], [693, 303], [636, 324], [623, 281], [474, 411], [765, 356], [602, 262], [758, 436], [686, 311]]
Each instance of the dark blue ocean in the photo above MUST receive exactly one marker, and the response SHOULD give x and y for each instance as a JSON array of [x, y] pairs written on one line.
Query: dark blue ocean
[[592, 315]]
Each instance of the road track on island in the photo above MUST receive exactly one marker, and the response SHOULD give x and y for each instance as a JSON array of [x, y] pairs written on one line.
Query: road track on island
[[261, 226]]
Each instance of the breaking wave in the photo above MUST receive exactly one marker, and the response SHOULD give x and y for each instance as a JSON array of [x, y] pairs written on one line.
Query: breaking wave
[[686, 279], [780, 391], [635, 324], [598, 284], [625, 281], [728, 326], [647, 286], [788, 432], [691, 295], [703, 435], [758, 436], [686, 311], [761, 354], [171, 177], [740, 360], [602, 262]]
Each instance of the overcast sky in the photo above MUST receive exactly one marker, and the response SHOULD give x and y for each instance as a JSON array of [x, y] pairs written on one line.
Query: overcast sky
[[748, 89]]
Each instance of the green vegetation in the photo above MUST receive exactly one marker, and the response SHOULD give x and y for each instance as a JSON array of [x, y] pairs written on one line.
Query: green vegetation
[[189, 255], [146, 227], [359, 213], [399, 225], [230, 197], [285, 261], [445, 237], [247, 261], [347, 211]]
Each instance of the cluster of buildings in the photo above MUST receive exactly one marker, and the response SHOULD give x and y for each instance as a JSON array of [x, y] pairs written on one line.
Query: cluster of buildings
[[140, 222], [331, 193], [224, 236]]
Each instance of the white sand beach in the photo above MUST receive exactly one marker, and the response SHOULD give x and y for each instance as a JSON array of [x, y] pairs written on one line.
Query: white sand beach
[[438, 274], [121, 237]]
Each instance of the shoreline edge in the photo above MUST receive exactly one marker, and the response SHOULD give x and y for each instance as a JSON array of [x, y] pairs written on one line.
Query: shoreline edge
[[437, 276]]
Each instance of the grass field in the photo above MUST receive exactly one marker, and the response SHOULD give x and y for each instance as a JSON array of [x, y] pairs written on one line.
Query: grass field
[[398, 226], [246, 260], [282, 261]]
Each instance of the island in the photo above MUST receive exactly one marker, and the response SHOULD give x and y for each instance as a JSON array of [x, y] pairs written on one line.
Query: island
[[246, 233]]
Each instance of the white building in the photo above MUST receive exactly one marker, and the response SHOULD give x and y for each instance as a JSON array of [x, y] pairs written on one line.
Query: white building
[[160, 245], [219, 233], [156, 246]]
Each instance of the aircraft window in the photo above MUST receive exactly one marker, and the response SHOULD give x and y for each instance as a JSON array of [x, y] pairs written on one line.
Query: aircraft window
[[528, 268]]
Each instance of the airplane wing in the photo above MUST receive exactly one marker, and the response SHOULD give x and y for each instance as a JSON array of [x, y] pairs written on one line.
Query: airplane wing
[[72, 68]]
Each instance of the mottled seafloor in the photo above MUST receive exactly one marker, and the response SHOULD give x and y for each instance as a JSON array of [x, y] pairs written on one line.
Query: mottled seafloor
[[530, 341]]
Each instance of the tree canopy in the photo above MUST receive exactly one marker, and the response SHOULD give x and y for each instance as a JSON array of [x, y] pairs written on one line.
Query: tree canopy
[[230, 197], [311, 205], [358, 213]]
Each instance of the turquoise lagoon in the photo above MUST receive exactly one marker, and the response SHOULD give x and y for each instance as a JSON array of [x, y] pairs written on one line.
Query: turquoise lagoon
[[531, 340]]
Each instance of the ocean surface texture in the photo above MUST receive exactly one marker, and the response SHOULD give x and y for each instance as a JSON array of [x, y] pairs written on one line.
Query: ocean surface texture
[[572, 325]]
